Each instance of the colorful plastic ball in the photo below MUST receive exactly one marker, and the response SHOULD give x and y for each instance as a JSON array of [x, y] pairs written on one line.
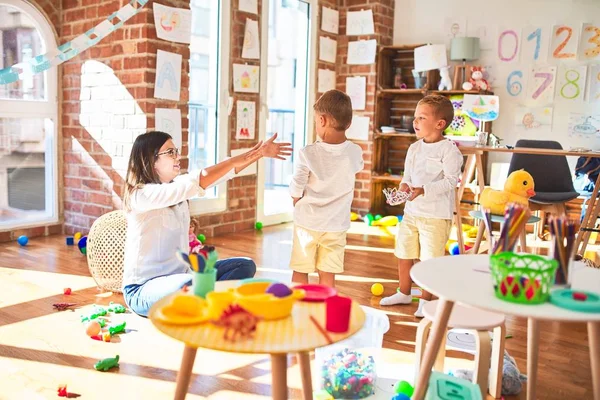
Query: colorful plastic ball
[[82, 244], [454, 249], [258, 225], [23, 240], [377, 289], [404, 388], [378, 217], [201, 238], [279, 290], [400, 396], [93, 328], [77, 236]]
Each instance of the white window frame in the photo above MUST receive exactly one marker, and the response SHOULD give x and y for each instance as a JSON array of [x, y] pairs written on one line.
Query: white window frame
[[203, 205], [47, 108]]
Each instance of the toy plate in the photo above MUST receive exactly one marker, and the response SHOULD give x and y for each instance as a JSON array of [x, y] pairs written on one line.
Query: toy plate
[[316, 293], [564, 298]]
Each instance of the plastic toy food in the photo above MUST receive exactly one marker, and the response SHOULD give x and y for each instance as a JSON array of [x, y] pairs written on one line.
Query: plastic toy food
[[114, 329], [107, 363]]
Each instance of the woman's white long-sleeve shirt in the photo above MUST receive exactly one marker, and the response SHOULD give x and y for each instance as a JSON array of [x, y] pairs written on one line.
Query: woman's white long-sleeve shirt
[[158, 226]]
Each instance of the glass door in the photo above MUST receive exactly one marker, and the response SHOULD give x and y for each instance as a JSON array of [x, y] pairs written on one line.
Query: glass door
[[285, 78]]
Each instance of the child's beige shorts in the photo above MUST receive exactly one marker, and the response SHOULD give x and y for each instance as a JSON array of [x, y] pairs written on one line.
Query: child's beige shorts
[[422, 238], [312, 250]]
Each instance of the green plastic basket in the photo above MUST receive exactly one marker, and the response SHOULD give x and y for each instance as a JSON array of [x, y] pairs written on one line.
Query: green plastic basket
[[522, 278]]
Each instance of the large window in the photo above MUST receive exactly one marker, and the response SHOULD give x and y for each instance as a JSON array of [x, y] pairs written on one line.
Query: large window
[[28, 113], [209, 74]]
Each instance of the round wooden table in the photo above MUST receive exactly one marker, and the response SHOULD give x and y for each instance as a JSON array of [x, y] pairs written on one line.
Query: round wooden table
[[466, 280], [295, 334]]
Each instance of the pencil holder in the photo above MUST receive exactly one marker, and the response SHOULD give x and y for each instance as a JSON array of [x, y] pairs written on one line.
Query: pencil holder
[[522, 278], [204, 282]]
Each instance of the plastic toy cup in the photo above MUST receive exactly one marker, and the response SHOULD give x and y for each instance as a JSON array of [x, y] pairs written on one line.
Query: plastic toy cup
[[204, 282], [338, 314]]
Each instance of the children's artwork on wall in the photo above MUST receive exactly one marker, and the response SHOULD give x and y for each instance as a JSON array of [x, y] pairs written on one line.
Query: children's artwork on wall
[[326, 80], [586, 126], [173, 24], [481, 107], [535, 43], [359, 128], [454, 27], [250, 169], [360, 23], [249, 6], [589, 46], [563, 43], [246, 120], [356, 88], [251, 47], [508, 44], [327, 49], [431, 56], [168, 120], [330, 20], [541, 83], [486, 34], [534, 118], [594, 93], [246, 78], [362, 52], [168, 75], [571, 82], [514, 83]]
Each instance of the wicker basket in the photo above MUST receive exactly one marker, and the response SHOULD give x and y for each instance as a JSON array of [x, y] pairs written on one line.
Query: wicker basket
[[522, 278], [106, 250]]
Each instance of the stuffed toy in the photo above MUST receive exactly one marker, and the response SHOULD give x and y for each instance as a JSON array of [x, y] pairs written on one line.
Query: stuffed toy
[[445, 83], [519, 187], [462, 124], [476, 82]]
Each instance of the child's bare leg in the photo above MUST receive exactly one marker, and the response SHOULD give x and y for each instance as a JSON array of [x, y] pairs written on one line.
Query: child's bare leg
[[403, 295], [299, 277], [327, 278]]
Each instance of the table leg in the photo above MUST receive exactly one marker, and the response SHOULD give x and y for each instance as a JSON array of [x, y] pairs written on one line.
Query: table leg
[[438, 330], [304, 361], [467, 174], [594, 335], [279, 376], [458, 223], [185, 372], [480, 231], [480, 175], [533, 335], [589, 219]]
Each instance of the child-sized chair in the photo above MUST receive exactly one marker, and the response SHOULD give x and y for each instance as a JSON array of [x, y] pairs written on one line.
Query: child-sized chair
[[478, 215], [481, 322]]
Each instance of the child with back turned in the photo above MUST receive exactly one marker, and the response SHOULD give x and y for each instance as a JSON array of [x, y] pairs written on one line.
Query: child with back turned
[[322, 189]]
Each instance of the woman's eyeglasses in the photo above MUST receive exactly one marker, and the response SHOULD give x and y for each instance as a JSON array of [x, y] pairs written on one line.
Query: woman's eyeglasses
[[172, 152]]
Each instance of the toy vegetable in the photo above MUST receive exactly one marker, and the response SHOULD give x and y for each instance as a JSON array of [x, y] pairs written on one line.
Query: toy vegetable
[[107, 363], [114, 329]]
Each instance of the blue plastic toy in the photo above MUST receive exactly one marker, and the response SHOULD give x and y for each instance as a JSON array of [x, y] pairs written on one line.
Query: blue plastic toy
[[23, 240], [82, 244], [70, 241], [400, 396]]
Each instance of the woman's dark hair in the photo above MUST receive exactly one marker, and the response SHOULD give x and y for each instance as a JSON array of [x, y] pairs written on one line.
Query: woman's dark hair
[[140, 170]]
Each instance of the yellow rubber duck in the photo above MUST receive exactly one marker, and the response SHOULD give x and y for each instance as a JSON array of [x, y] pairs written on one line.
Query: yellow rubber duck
[[517, 189]]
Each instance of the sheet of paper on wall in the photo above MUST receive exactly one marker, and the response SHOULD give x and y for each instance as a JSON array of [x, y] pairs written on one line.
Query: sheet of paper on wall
[[534, 44], [589, 46], [330, 20], [356, 87], [360, 23], [432, 56], [571, 82], [485, 32], [173, 24], [594, 92], [168, 120], [534, 119], [362, 52], [250, 169], [564, 42], [327, 49], [508, 44], [540, 85], [251, 47], [326, 78], [584, 126], [246, 120], [454, 27], [359, 128], [167, 84], [249, 6], [246, 78]]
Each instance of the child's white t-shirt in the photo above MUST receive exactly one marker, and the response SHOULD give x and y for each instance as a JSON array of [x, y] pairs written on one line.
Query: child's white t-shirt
[[436, 168], [324, 179]]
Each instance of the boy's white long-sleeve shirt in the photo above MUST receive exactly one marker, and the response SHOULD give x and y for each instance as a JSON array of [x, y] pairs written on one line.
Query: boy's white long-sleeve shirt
[[436, 168], [324, 179], [158, 226]]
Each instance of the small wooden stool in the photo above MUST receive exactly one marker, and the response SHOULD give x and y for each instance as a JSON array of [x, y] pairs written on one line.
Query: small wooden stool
[[481, 322]]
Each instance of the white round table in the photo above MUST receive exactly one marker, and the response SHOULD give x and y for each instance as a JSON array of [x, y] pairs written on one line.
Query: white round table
[[466, 279]]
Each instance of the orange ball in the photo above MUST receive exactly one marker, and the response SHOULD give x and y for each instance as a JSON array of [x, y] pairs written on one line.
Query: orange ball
[[93, 328]]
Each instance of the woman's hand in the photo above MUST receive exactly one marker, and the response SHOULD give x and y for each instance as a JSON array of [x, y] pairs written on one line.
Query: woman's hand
[[271, 149]]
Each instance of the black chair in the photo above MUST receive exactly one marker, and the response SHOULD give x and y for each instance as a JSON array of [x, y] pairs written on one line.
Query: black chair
[[552, 177]]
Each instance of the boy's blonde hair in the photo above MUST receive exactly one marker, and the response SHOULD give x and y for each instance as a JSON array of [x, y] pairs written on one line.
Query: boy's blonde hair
[[442, 107], [338, 106]]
